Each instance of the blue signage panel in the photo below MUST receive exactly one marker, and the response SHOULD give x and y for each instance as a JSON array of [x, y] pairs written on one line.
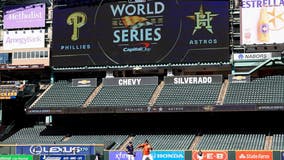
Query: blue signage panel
[[4, 58], [62, 157], [168, 155], [157, 155], [122, 155], [55, 150]]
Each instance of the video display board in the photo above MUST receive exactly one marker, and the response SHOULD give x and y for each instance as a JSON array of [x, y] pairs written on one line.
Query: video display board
[[147, 32], [262, 21]]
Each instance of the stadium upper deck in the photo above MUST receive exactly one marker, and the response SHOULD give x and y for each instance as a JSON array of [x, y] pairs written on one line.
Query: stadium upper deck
[[110, 68]]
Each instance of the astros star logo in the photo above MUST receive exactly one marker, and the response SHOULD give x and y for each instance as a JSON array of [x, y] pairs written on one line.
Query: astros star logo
[[202, 19]]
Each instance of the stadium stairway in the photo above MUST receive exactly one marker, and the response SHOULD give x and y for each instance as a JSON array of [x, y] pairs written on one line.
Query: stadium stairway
[[92, 96], [123, 145], [268, 142], [223, 92], [156, 94], [195, 142], [40, 96]]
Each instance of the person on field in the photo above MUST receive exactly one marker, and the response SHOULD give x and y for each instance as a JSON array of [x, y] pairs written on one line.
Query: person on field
[[146, 150], [130, 151], [200, 155]]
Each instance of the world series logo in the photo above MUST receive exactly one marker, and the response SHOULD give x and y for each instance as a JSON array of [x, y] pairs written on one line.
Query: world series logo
[[137, 26]]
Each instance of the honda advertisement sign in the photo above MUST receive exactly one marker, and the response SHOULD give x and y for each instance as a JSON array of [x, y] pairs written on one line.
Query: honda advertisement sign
[[156, 154]]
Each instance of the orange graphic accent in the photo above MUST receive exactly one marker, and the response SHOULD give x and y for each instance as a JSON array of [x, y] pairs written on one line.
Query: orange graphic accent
[[254, 155], [131, 20], [211, 155], [146, 44]]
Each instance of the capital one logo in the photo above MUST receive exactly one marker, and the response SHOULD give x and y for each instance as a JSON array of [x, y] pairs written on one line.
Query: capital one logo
[[77, 20]]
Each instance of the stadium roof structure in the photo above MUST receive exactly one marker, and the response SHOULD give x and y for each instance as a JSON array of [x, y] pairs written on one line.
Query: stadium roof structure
[[144, 66], [15, 2]]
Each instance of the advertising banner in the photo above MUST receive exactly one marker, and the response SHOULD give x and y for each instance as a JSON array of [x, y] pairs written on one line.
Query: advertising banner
[[210, 155], [23, 39], [252, 56], [24, 16], [122, 155], [16, 157], [55, 150], [84, 82], [254, 155], [261, 21], [62, 157], [156, 154], [130, 81], [194, 79], [144, 32], [167, 155], [282, 155], [239, 79]]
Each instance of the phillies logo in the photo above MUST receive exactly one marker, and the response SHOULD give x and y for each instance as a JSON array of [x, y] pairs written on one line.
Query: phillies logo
[[78, 20]]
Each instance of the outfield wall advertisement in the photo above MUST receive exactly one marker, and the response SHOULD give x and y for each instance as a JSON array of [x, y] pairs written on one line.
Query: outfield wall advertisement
[[147, 32], [55, 150], [62, 157], [156, 154], [16, 157], [210, 155], [254, 155]]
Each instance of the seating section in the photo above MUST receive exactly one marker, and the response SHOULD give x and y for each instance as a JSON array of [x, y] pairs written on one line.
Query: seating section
[[110, 141], [278, 141], [259, 91], [232, 141], [124, 96], [63, 94], [173, 139], [32, 135], [166, 142], [44, 135], [189, 94]]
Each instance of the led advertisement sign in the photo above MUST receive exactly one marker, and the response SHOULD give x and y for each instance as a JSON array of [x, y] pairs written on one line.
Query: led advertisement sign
[[144, 32]]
